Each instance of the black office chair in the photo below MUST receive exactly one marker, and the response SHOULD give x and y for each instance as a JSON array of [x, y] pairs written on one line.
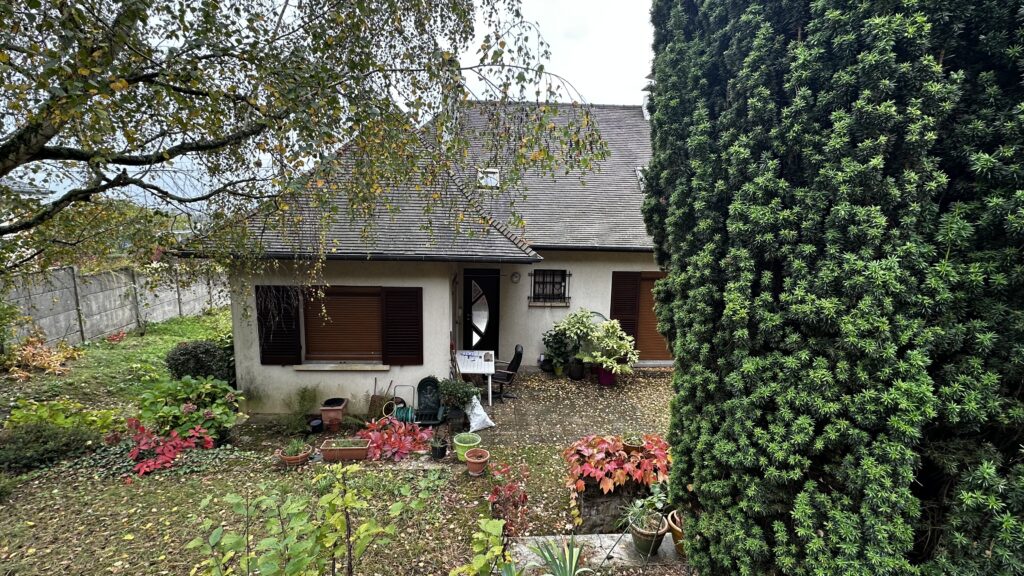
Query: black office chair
[[505, 372]]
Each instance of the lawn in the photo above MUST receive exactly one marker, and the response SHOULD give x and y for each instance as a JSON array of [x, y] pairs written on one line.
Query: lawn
[[110, 374], [81, 517]]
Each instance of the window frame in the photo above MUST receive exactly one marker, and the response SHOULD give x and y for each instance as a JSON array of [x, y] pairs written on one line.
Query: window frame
[[549, 278], [483, 173]]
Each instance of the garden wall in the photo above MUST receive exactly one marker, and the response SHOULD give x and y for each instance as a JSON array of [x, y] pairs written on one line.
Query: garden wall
[[65, 305]]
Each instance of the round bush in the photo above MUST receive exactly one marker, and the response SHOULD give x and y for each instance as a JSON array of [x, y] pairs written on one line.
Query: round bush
[[201, 359]]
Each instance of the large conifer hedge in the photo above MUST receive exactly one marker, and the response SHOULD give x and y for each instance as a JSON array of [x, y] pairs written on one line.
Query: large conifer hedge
[[837, 193]]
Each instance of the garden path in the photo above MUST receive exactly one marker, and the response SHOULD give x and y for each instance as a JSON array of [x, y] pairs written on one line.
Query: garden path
[[549, 410]]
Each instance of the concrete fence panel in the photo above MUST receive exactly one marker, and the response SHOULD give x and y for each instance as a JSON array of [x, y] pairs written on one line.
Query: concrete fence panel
[[65, 305]]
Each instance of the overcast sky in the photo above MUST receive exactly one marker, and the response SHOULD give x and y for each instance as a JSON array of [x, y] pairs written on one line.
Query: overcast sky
[[602, 46]]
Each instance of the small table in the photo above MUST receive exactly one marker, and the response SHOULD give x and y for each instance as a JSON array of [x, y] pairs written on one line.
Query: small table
[[477, 362]]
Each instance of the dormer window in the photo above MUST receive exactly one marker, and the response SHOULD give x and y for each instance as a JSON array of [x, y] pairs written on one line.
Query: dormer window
[[488, 178]]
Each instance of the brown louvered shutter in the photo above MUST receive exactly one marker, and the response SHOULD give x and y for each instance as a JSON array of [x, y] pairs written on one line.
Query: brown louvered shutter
[[626, 300], [403, 326], [277, 321], [351, 329]]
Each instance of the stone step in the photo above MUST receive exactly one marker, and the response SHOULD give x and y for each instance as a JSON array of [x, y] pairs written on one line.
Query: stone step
[[601, 551]]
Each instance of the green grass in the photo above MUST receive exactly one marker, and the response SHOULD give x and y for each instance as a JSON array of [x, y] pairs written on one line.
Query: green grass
[[80, 518], [70, 520], [110, 374]]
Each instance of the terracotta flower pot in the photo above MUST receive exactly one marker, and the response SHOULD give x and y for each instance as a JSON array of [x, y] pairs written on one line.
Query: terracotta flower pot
[[298, 459], [333, 412], [332, 453], [675, 526], [476, 461], [631, 448]]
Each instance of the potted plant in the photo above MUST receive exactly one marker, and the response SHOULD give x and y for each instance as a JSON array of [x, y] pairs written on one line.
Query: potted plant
[[556, 350], [295, 453], [575, 332], [338, 449], [438, 447], [632, 441], [611, 350], [647, 525], [476, 461], [675, 526], [455, 396]]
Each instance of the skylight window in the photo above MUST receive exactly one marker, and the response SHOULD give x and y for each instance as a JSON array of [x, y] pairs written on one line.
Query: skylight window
[[488, 178]]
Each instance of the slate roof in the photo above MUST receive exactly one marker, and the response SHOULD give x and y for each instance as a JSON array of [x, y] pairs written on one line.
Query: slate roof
[[403, 234], [601, 212]]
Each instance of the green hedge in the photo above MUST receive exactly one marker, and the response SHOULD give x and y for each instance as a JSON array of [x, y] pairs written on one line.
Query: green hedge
[[836, 194]]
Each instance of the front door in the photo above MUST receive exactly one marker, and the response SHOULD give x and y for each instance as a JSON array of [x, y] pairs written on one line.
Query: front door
[[480, 298]]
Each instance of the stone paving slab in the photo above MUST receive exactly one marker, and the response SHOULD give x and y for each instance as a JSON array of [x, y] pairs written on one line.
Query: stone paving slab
[[549, 410], [603, 551]]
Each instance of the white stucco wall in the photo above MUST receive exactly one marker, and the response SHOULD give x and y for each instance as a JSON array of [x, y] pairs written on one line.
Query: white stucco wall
[[590, 286], [274, 384]]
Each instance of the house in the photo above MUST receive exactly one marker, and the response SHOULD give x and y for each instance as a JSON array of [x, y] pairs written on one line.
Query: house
[[399, 305]]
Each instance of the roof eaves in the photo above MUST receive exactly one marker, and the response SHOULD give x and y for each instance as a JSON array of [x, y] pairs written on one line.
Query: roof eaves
[[592, 248]]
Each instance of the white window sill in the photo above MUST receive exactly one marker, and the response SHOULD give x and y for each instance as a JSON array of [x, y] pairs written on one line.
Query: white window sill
[[562, 304], [342, 367]]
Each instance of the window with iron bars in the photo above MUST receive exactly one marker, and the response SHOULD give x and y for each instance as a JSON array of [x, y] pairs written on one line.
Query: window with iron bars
[[550, 287]]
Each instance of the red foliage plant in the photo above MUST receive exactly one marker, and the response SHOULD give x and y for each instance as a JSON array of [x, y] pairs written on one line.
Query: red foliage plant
[[508, 496], [391, 439], [116, 337], [604, 461], [153, 452]]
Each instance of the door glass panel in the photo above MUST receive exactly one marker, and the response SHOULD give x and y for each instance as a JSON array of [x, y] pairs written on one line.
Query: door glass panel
[[481, 312]]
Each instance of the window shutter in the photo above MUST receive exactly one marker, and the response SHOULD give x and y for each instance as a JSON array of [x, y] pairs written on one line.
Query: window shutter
[[351, 331], [277, 319], [403, 326], [626, 300]]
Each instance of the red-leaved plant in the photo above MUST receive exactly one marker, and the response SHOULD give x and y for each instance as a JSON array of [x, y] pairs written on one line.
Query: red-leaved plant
[[508, 496], [116, 337], [153, 452], [391, 439], [604, 460]]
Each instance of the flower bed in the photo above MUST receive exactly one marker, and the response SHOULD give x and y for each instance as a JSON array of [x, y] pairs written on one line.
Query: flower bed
[[603, 464], [391, 439]]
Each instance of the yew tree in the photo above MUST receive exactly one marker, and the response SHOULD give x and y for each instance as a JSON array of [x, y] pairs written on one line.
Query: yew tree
[[836, 194], [204, 112]]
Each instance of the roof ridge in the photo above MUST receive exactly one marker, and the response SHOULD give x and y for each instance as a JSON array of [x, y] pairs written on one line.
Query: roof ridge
[[582, 104]]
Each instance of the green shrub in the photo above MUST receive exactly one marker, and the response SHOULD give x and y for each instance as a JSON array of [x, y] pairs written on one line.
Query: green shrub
[[457, 393], [64, 413], [835, 194], [610, 348], [7, 485], [30, 446], [202, 358], [184, 404]]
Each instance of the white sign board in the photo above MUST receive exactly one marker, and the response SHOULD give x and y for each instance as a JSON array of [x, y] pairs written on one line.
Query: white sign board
[[475, 361]]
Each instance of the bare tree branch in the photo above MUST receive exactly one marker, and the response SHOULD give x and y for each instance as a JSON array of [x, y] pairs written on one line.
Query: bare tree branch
[[159, 157], [50, 210]]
